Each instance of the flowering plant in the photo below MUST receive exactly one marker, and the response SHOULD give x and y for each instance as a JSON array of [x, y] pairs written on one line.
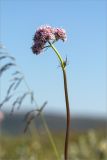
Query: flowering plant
[[45, 34], [45, 37]]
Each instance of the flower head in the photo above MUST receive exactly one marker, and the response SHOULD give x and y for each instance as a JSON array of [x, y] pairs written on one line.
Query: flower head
[[45, 34], [60, 34]]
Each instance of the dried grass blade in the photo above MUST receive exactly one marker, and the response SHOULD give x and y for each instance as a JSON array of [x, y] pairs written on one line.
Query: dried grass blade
[[3, 57], [18, 83], [5, 67], [10, 88], [7, 56], [21, 99], [15, 73], [32, 97], [14, 104], [32, 114], [5, 100]]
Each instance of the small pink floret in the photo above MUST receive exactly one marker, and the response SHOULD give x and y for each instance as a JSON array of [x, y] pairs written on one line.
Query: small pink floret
[[60, 34]]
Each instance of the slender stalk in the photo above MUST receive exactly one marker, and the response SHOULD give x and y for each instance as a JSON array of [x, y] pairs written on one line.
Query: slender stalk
[[68, 115], [66, 100]]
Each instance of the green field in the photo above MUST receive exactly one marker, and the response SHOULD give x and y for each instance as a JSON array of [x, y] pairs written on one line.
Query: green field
[[90, 145]]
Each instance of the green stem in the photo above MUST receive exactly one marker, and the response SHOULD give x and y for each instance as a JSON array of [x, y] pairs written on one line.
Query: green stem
[[68, 116], [58, 55], [66, 100]]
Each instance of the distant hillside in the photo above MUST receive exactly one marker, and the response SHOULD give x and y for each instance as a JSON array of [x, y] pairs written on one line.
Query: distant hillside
[[15, 124]]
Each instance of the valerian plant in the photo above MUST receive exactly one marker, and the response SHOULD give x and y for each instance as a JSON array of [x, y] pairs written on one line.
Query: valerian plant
[[45, 37]]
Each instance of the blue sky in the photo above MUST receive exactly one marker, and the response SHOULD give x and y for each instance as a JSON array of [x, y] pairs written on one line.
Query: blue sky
[[85, 24]]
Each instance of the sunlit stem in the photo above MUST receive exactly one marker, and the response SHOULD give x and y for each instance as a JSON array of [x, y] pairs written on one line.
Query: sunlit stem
[[63, 66], [58, 55]]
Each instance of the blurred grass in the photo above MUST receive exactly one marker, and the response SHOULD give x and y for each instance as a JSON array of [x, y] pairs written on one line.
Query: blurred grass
[[90, 145]]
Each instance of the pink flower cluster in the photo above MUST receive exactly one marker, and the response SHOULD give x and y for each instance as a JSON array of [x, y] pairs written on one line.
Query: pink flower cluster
[[45, 34]]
